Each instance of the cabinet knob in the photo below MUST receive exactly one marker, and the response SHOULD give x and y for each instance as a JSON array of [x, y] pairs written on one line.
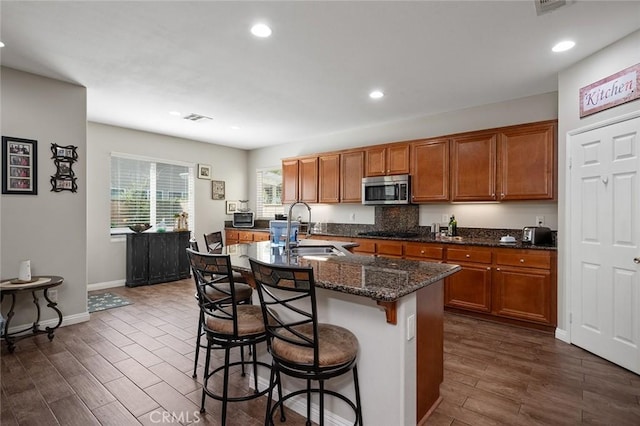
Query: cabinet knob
[[489, 268], [497, 269], [521, 260], [468, 256], [636, 260], [493, 196], [421, 251], [502, 196]]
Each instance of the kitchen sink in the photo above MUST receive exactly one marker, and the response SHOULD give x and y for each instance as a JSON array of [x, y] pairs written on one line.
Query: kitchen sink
[[316, 251]]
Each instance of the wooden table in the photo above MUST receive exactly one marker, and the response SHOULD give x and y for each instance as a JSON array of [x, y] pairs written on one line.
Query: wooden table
[[44, 283]]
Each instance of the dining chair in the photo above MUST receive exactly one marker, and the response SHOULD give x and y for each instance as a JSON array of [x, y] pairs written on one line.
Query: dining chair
[[300, 346]]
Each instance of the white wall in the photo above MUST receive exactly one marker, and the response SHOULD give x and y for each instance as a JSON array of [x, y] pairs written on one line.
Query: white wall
[[106, 255], [48, 228], [614, 58], [500, 215]]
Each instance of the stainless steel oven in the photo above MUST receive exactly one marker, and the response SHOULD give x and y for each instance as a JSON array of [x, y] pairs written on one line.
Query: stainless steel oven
[[243, 220], [386, 190]]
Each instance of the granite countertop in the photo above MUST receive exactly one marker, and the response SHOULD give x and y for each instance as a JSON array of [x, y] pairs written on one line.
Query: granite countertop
[[378, 278]]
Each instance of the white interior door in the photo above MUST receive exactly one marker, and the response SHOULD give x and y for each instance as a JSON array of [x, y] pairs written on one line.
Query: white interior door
[[605, 242]]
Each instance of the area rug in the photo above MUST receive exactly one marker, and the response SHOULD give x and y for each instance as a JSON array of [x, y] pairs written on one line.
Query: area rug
[[100, 302]]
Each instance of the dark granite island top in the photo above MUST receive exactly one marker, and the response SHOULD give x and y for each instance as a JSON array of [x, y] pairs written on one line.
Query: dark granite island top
[[379, 278], [403, 356]]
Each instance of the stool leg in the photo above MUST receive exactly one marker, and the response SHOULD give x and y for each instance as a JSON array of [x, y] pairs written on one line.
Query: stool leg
[[267, 418], [308, 423], [255, 369], [205, 375], [195, 363], [283, 418], [225, 390], [358, 404], [321, 386]]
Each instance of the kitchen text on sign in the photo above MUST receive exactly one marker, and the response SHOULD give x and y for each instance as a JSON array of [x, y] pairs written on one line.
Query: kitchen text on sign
[[616, 89]]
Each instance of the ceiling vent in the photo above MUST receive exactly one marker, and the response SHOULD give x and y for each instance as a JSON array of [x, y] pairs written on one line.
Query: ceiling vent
[[197, 117], [546, 6]]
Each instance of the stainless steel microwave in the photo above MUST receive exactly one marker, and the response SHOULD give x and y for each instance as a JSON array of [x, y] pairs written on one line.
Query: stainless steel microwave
[[386, 190], [243, 220]]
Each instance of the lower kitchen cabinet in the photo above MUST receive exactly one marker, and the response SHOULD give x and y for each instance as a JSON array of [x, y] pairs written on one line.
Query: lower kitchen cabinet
[[155, 257], [469, 289], [524, 286], [234, 236]]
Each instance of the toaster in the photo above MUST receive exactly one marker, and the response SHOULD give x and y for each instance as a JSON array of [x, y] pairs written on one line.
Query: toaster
[[536, 235]]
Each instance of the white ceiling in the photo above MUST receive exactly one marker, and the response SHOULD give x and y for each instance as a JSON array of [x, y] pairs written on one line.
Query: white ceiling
[[140, 60]]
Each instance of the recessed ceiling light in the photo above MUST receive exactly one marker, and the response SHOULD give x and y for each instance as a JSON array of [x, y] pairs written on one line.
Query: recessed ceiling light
[[235, 128], [176, 113], [261, 30], [376, 94], [563, 46]]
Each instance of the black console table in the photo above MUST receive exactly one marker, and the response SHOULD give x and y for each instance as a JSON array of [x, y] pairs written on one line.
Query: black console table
[[156, 257], [13, 288]]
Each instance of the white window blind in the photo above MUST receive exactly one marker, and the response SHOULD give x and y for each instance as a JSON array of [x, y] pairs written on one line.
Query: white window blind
[[149, 191], [269, 193]]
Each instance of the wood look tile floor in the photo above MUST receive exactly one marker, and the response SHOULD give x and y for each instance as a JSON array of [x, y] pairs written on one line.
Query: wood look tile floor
[[133, 365]]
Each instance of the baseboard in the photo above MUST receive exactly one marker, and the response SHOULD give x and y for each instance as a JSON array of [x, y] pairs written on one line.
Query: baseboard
[[299, 405], [105, 285], [563, 335], [66, 320]]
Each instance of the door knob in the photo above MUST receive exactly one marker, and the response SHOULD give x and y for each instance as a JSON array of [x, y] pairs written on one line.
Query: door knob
[[636, 260]]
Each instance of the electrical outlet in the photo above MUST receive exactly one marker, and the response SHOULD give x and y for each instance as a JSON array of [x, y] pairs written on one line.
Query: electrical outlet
[[353, 217], [411, 327], [445, 218], [53, 295], [540, 220]]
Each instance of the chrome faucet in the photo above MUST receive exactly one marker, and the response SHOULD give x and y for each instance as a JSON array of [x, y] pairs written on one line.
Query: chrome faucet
[[287, 242]]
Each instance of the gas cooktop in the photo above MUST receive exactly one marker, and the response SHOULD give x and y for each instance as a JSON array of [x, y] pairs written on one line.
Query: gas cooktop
[[389, 234]]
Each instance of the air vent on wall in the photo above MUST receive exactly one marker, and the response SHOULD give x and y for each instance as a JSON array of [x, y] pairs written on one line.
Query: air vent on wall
[[197, 117], [545, 6]]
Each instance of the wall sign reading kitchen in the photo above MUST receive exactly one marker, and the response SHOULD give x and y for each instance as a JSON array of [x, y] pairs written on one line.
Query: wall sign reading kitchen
[[619, 88]]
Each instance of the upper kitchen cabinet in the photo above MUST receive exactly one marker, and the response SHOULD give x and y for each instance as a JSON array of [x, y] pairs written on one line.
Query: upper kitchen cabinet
[[351, 174], [385, 160], [329, 178], [430, 170], [308, 179], [527, 162], [473, 167], [300, 180], [289, 181]]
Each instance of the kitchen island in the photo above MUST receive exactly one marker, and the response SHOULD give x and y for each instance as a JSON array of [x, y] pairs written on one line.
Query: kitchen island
[[394, 307]]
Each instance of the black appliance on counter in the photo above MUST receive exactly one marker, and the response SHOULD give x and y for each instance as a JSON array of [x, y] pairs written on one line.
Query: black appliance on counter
[[536, 235], [243, 219]]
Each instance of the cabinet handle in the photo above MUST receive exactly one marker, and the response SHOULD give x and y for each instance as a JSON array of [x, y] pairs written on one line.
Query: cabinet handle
[[493, 196], [521, 260], [502, 196]]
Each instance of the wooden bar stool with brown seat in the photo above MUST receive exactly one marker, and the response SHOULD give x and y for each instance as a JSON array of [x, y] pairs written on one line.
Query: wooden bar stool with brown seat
[[244, 294], [300, 346], [227, 324]]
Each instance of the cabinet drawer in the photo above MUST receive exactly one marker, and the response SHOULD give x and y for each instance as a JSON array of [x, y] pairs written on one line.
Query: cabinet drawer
[[389, 248], [474, 255], [260, 236], [365, 246], [245, 235], [231, 235], [524, 259], [426, 251]]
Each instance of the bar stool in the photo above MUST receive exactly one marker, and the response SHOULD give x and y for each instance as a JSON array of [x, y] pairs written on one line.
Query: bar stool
[[299, 345], [244, 294], [227, 324], [214, 244]]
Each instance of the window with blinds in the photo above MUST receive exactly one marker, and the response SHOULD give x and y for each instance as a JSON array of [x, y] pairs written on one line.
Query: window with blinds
[[149, 191], [269, 193]]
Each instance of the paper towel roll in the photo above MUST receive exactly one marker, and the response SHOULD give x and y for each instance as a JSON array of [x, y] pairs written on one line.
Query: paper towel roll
[[24, 273]]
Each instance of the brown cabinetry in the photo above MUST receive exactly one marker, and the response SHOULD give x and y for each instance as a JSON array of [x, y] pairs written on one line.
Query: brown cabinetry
[[329, 178], [473, 167], [524, 285], [527, 162], [430, 170], [387, 160], [423, 251], [300, 180], [469, 289], [233, 236], [351, 174]]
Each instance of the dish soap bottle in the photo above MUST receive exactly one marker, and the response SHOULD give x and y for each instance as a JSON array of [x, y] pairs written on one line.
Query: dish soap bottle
[[453, 227]]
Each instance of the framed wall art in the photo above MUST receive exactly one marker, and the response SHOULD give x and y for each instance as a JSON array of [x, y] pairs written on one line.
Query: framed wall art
[[19, 166], [232, 206], [217, 190], [63, 159], [204, 171]]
